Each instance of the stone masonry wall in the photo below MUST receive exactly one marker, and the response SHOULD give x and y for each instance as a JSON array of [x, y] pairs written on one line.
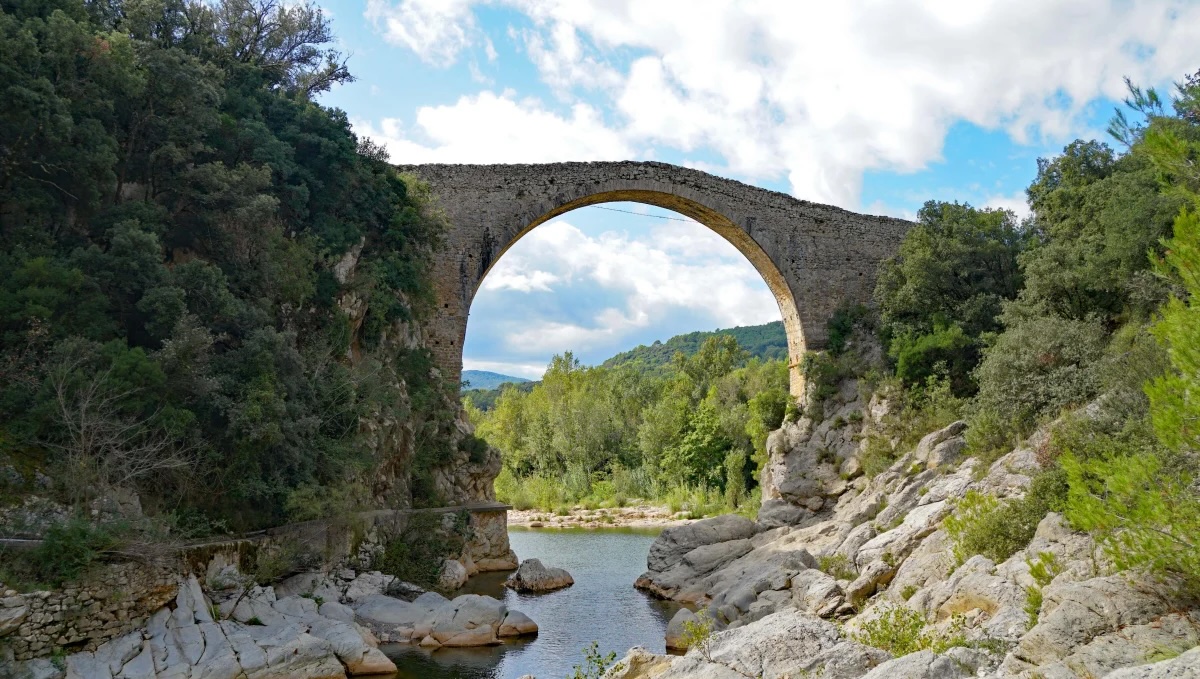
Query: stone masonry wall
[[114, 600], [813, 257]]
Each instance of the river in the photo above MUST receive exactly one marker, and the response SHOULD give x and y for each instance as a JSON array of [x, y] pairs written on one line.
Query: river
[[602, 606]]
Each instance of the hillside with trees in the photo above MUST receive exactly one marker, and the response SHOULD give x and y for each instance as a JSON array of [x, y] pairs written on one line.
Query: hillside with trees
[[685, 433], [183, 229], [767, 342]]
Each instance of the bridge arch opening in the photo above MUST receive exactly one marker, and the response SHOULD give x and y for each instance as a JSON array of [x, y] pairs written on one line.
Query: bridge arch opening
[[704, 215]]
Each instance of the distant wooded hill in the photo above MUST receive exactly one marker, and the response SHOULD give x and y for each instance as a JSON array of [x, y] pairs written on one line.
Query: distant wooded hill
[[485, 379], [764, 341]]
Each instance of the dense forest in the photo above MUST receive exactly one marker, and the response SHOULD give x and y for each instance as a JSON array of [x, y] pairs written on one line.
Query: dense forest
[[202, 263], [685, 433]]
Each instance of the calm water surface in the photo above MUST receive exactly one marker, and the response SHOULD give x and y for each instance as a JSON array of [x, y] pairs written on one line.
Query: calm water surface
[[602, 606]]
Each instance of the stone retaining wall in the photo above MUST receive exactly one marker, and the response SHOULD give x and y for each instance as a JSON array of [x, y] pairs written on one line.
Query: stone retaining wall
[[113, 600]]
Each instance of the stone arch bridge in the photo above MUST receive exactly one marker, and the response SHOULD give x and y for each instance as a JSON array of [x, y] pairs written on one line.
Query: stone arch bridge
[[813, 257]]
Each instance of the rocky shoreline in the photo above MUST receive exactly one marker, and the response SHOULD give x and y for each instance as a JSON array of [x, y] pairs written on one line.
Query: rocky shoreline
[[634, 516], [840, 568], [309, 626]]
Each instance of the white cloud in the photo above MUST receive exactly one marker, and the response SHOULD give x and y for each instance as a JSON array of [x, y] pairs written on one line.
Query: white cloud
[[671, 268], [498, 128], [815, 92], [1017, 202], [437, 30], [505, 278], [516, 368]]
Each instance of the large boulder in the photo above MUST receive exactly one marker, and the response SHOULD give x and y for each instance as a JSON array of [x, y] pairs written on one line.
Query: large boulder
[[516, 624], [352, 650], [396, 620], [532, 576], [1076, 613], [784, 644], [942, 446], [923, 665], [673, 543], [469, 620], [367, 584], [677, 630], [453, 575]]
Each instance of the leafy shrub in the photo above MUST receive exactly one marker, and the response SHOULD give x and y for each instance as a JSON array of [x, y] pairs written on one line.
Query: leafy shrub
[[67, 551], [838, 566], [822, 374], [988, 436], [697, 633], [841, 326], [735, 479], [750, 506], [981, 524], [475, 447], [698, 501], [311, 501], [876, 456], [416, 553], [1038, 366], [900, 630], [946, 352], [594, 665], [1042, 570]]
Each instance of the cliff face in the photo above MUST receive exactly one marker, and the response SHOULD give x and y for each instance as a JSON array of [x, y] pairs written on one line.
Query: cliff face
[[389, 431]]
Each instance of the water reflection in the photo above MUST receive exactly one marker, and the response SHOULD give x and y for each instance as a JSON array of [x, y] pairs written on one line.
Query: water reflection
[[602, 606]]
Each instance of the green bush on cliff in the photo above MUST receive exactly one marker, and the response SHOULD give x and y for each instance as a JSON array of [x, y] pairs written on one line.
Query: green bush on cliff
[[982, 524], [67, 551]]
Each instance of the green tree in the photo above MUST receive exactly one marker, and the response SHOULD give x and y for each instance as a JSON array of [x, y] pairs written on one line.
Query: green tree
[[1140, 493], [945, 289]]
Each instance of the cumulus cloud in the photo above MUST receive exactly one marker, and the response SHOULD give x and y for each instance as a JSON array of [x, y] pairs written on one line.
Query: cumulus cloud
[[436, 30], [670, 268], [521, 281], [498, 128], [1017, 202], [818, 93]]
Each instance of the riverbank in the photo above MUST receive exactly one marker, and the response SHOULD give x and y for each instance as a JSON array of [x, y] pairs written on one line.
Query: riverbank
[[634, 516], [600, 607]]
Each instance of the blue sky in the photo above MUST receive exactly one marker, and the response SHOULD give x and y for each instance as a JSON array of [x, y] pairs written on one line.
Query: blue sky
[[872, 106]]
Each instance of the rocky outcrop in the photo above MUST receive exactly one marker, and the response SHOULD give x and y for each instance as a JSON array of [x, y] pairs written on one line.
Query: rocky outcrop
[[681, 555], [186, 640], [1185, 666], [784, 644], [831, 543], [431, 620], [532, 576], [452, 576]]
